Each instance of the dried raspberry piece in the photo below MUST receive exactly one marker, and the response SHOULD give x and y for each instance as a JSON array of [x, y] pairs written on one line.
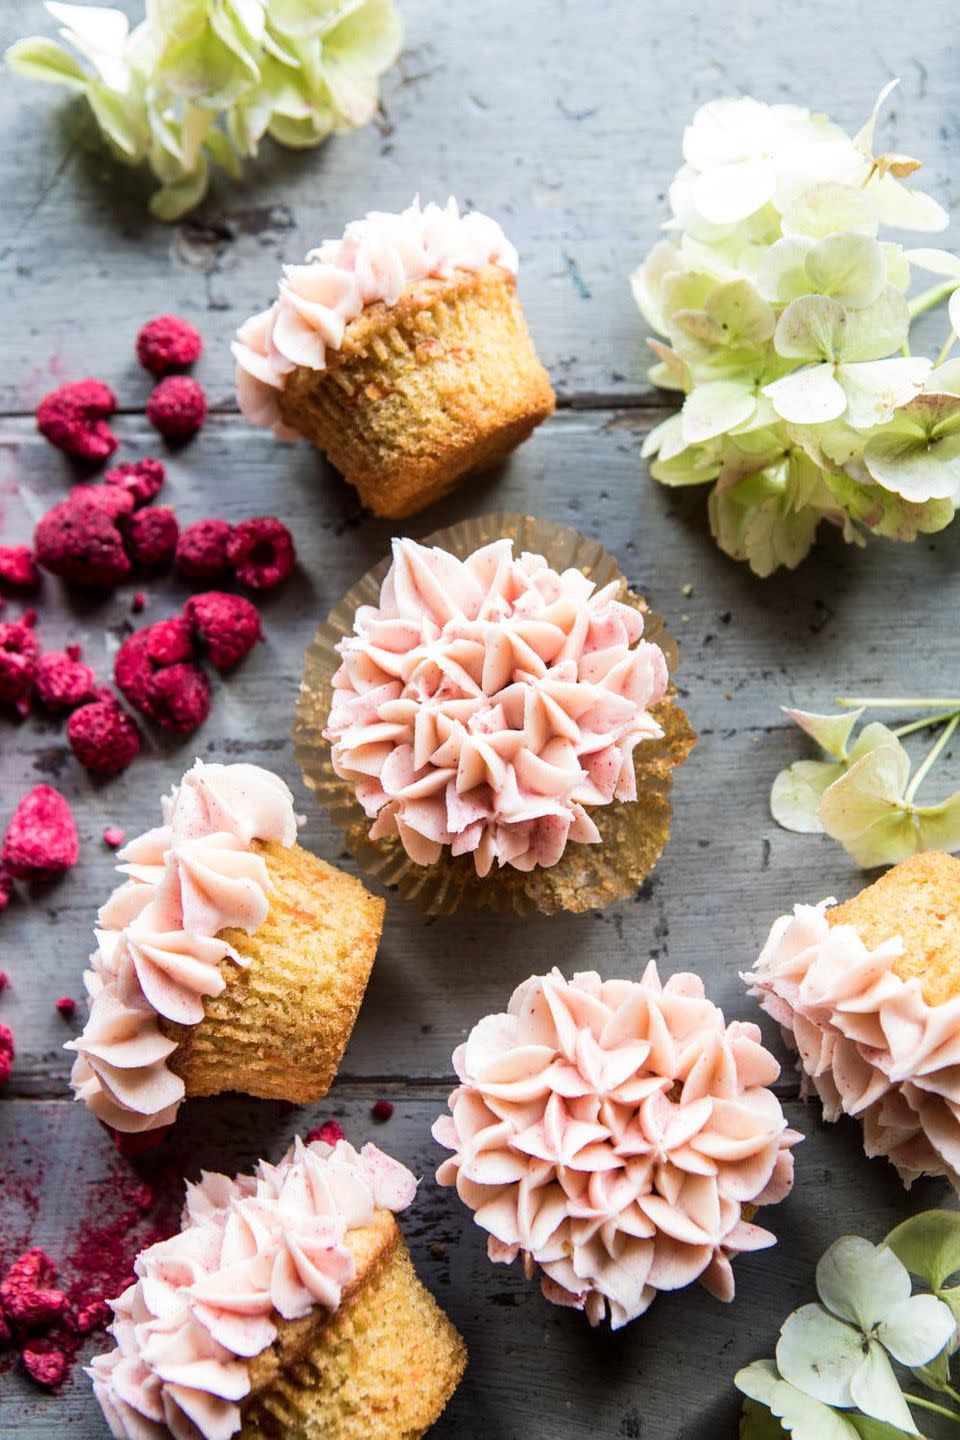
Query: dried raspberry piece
[[145, 651], [381, 1110], [202, 549], [91, 1317], [7, 1052], [18, 661], [180, 697], [113, 499], [41, 839], [151, 536], [18, 568], [177, 407], [261, 552], [62, 683], [72, 418], [65, 1005], [329, 1132], [6, 895], [104, 738], [168, 343], [27, 1294], [229, 624], [44, 1363], [142, 479], [79, 540]]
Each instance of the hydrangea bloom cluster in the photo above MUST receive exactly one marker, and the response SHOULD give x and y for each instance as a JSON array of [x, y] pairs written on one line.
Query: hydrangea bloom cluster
[[204, 80], [785, 326]]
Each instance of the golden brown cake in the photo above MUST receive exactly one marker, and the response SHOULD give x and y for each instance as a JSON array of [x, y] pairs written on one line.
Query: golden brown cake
[[300, 1319], [231, 959], [402, 352]]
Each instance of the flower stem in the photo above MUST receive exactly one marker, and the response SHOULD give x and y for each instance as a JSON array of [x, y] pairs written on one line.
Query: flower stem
[[948, 345], [927, 299], [931, 1405], [925, 723], [942, 740], [899, 702]]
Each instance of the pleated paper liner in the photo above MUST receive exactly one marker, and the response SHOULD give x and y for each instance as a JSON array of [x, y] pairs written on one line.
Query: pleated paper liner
[[587, 877]]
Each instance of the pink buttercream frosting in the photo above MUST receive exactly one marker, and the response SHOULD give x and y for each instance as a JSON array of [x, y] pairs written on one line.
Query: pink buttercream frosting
[[157, 948], [489, 704], [610, 1132], [376, 258], [868, 1042], [206, 1301]]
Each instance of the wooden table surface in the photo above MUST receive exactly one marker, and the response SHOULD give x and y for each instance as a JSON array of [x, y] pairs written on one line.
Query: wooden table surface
[[564, 121]]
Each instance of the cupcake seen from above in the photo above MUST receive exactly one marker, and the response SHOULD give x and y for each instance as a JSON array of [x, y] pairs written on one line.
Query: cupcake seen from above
[[618, 1136], [287, 1305], [501, 730], [401, 351], [229, 959], [868, 995]]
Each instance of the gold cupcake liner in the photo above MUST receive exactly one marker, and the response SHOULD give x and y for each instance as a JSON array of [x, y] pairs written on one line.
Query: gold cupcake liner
[[587, 877]]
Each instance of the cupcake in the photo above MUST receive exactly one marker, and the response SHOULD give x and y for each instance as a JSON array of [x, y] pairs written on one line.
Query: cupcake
[[286, 1306], [402, 352], [619, 1137], [229, 959], [868, 994], [490, 719]]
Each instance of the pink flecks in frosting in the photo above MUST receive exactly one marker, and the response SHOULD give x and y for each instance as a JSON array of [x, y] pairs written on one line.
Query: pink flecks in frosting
[[610, 1132], [488, 704], [251, 1250], [868, 1042], [157, 948], [375, 259]]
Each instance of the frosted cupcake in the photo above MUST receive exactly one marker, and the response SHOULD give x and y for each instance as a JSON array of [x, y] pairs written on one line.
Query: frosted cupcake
[[229, 959], [618, 1136], [287, 1305], [402, 352], [868, 994], [492, 716]]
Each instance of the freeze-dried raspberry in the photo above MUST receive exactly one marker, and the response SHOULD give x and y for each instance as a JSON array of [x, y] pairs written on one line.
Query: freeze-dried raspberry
[[19, 652], [45, 1363], [18, 568], [180, 698], [261, 552], [177, 407], [104, 738], [79, 540], [150, 536], [41, 839], [229, 624], [114, 836], [114, 499], [381, 1110], [329, 1132], [167, 344], [90, 1317], [142, 479], [62, 683], [202, 549], [73, 418], [65, 1005], [7, 1052], [146, 651], [27, 1294]]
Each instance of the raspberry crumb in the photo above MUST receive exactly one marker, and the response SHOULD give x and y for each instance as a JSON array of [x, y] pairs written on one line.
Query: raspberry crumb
[[114, 836], [91, 1317], [73, 418], [4, 980], [79, 539], [142, 479], [329, 1132], [18, 568], [381, 1110], [177, 407], [63, 683], [74, 651], [202, 549], [65, 1005], [261, 552], [150, 536], [6, 895], [138, 602], [229, 625], [41, 839], [19, 653], [7, 1053], [105, 740], [168, 343]]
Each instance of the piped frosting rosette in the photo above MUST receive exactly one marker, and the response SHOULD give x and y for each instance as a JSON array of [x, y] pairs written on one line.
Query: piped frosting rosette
[[375, 259], [489, 716], [868, 1043], [158, 953], [611, 1133], [252, 1252]]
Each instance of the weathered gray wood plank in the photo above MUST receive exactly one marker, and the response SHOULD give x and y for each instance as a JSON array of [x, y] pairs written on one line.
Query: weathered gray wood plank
[[562, 120], [535, 1371]]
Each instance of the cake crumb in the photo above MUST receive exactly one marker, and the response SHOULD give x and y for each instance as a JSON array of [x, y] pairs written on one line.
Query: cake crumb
[[686, 590]]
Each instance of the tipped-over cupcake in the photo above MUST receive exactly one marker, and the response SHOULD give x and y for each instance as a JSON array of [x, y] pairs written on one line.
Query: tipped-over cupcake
[[401, 351], [287, 1305], [230, 959], [618, 1136], [868, 994]]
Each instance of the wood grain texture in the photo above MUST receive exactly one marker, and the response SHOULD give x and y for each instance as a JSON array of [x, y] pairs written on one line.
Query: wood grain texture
[[564, 121]]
